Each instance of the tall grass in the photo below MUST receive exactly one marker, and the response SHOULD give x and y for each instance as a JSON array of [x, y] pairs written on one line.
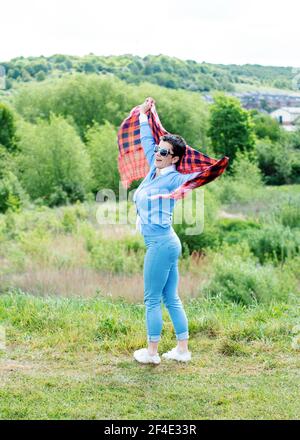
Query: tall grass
[[64, 251], [238, 277], [76, 323]]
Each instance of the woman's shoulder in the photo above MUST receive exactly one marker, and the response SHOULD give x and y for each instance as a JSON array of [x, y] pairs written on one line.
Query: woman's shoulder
[[174, 175]]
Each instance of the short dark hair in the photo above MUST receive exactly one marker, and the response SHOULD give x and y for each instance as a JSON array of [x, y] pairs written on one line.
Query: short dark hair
[[178, 144]]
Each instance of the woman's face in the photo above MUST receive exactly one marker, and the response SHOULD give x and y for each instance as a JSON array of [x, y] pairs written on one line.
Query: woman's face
[[165, 161]]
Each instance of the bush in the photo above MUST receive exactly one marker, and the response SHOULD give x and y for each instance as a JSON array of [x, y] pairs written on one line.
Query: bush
[[86, 99], [8, 136], [274, 243], [67, 192], [231, 128], [245, 179], [293, 139], [80, 97], [270, 160], [265, 126], [288, 214], [241, 280], [210, 236], [133, 243], [12, 195], [181, 112], [234, 230], [116, 256], [103, 151], [54, 163], [69, 220], [295, 167]]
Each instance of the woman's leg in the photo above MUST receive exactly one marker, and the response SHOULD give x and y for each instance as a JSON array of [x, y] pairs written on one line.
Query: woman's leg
[[156, 272], [173, 302]]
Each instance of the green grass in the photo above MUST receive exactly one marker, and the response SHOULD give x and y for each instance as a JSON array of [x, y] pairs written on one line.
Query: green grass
[[263, 201], [72, 359], [70, 356]]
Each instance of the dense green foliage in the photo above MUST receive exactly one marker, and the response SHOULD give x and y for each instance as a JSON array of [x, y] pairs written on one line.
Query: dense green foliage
[[255, 247], [265, 126], [101, 145], [278, 161], [53, 163], [7, 128], [83, 100], [169, 72], [67, 133], [12, 195], [75, 118], [231, 127]]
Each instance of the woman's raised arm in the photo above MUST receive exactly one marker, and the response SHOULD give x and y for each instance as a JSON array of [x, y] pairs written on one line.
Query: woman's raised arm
[[146, 137]]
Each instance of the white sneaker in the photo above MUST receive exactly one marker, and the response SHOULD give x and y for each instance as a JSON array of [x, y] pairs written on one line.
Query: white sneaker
[[176, 355], [144, 357]]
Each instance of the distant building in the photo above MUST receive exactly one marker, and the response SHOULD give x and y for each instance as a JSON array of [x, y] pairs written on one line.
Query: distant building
[[263, 101], [288, 117]]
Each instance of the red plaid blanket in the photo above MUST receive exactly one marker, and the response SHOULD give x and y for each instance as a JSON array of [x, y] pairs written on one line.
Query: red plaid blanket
[[133, 165]]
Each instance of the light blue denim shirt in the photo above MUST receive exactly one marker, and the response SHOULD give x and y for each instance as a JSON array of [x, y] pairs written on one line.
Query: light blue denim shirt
[[155, 216]]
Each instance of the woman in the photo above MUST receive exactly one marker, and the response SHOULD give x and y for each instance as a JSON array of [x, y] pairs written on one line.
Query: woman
[[154, 221]]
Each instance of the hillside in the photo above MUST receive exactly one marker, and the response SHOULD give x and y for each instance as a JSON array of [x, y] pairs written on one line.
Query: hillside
[[163, 70]]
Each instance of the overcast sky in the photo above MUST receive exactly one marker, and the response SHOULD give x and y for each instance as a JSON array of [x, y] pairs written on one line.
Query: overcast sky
[[264, 32]]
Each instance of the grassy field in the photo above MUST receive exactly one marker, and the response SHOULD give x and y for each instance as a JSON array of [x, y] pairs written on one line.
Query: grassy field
[[72, 359], [72, 313]]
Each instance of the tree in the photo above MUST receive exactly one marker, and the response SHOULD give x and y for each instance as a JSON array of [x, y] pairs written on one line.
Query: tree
[[85, 98], [230, 127], [12, 194], [181, 112], [54, 164], [270, 160], [40, 76], [103, 149], [293, 139], [7, 128], [265, 126]]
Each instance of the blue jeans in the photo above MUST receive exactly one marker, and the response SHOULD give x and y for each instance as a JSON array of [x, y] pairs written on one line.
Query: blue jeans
[[161, 278]]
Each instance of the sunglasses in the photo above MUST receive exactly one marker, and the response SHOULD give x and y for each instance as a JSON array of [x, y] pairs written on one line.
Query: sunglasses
[[162, 151]]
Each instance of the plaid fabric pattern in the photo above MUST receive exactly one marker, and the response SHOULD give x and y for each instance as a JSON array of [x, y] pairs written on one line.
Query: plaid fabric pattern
[[132, 162]]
